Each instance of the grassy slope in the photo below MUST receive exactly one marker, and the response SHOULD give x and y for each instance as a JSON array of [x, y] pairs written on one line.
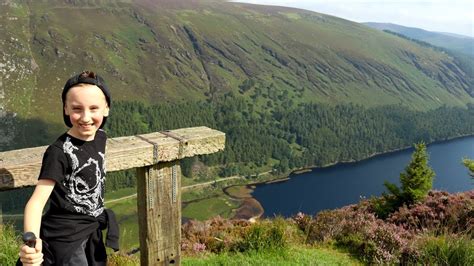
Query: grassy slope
[[294, 256], [181, 50], [457, 43]]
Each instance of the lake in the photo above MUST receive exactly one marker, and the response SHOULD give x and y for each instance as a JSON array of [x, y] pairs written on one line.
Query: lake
[[346, 183]]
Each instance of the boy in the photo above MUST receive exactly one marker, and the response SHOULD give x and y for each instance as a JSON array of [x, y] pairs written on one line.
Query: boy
[[72, 176]]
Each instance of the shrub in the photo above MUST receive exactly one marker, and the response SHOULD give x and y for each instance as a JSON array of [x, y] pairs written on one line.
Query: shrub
[[446, 250], [383, 206], [325, 226], [357, 229], [9, 245], [439, 213], [214, 235], [265, 235], [303, 223], [222, 235]]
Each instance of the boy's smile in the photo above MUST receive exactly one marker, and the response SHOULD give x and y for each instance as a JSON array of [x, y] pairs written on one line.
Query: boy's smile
[[86, 107]]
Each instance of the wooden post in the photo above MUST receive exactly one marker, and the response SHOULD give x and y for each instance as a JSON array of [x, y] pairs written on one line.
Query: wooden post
[[159, 212]]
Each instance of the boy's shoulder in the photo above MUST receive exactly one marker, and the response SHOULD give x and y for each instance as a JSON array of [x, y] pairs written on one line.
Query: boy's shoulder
[[101, 134], [59, 142]]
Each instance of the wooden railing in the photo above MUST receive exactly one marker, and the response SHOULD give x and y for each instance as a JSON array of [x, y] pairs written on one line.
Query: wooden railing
[[156, 157]]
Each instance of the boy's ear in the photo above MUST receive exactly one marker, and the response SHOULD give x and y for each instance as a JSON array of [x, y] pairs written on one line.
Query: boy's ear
[[106, 111], [66, 112]]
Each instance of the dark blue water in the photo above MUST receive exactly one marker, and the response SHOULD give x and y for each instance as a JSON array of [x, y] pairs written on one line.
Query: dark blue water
[[343, 184]]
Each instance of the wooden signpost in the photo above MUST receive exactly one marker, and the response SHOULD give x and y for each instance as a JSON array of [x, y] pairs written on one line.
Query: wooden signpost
[[156, 157]]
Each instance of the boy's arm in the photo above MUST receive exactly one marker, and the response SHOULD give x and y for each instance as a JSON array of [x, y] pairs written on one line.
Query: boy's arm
[[34, 207], [32, 221]]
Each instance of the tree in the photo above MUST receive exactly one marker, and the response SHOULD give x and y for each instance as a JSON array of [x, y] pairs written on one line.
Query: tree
[[416, 182], [470, 165]]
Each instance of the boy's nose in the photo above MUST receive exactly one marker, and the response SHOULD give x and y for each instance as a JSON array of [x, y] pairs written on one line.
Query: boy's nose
[[86, 116]]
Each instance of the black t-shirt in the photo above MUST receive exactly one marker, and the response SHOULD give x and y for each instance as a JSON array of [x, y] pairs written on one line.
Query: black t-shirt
[[78, 167]]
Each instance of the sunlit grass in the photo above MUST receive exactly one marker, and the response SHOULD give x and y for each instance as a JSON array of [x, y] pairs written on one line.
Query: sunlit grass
[[294, 256]]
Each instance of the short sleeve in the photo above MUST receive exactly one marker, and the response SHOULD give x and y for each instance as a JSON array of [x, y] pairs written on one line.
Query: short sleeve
[[54, 164]]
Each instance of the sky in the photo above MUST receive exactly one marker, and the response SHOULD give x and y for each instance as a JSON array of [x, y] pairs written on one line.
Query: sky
[[453, 16]]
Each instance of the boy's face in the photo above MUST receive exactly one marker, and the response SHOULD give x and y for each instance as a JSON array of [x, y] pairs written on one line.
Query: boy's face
[[86, 107]]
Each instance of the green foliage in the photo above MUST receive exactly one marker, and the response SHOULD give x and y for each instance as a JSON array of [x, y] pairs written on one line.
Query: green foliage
[[356, 244], [470, 165], [295, 137], [264, 237], [417, 179], [446, 250], [120, 179], [416, 182], [385, 205], [9, 245], [296, 255]]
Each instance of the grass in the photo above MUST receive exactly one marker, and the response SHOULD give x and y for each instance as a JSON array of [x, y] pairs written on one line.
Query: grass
[[9, 243], [185, 181], [448, 250], [120, 193], [127, 217], [207, 208], [296, 255]]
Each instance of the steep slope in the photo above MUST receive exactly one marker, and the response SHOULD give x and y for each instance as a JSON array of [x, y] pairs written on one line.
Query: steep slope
[[189, 50]]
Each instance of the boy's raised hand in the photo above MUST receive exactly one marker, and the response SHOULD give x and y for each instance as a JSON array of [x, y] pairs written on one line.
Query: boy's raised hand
[[32, 256]]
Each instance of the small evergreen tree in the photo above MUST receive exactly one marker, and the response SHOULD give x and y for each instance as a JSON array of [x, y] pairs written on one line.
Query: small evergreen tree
[[416, 182]]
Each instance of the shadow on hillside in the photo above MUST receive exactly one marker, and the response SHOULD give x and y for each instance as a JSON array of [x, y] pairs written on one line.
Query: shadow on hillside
[[20, 133]]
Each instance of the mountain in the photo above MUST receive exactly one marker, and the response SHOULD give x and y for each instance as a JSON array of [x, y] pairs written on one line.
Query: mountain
[[176, 50], [455, 42]]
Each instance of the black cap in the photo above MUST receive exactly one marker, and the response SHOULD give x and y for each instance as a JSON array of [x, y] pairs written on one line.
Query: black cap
[[87, 77]]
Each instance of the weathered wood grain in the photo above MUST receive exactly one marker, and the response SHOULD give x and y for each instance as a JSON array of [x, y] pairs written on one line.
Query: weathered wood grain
[[19, 168], [159, 212]]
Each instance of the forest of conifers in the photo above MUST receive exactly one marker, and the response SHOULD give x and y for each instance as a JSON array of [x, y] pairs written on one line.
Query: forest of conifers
[[295, 136]]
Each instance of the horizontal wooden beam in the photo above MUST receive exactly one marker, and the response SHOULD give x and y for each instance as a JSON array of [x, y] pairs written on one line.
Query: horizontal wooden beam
[[20, 168]]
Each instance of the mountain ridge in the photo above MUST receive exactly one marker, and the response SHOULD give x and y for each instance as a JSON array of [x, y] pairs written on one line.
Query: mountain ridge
[[452, 41], [195, 50]]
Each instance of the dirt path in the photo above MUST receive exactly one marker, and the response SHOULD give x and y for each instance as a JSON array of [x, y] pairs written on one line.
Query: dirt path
[[211, 182]]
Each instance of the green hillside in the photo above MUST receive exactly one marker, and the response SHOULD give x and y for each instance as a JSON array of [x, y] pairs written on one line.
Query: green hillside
[[459, 43], [156, 51]]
